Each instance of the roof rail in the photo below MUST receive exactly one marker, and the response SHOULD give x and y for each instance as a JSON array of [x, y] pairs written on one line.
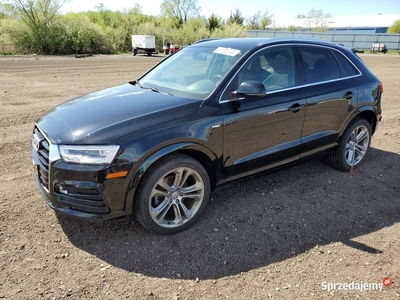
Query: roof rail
[[205, 40]]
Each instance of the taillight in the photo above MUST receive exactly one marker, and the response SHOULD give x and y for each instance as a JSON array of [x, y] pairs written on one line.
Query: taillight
[[380, 87]]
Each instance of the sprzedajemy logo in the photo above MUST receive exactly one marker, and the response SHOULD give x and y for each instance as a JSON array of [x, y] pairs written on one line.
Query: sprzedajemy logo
[[356, 286]]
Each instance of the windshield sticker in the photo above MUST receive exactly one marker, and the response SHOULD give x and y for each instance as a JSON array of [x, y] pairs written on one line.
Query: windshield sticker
[[226, 51]]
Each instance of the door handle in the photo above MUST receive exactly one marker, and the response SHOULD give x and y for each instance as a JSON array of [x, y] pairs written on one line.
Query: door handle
[[296, 107], [348, 95]]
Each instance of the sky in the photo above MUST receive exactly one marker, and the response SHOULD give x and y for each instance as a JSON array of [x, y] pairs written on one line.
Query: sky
[[283, 9]]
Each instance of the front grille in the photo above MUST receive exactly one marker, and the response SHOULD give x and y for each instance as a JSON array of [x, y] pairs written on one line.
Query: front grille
[[42, 148], [82, 196]]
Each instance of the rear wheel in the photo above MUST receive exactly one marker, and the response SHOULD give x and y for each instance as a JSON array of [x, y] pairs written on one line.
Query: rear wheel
[[172, 194], [352, 147]]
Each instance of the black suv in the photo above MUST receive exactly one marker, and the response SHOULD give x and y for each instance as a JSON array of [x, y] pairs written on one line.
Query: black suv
[[213, 112]]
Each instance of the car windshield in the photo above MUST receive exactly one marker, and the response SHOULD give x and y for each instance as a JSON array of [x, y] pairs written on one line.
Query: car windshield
[[193, 72]]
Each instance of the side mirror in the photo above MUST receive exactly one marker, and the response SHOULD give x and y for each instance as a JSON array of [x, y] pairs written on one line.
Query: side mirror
[[250, 88]]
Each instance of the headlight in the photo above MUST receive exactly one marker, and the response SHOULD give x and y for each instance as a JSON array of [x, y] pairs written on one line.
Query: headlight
[[97, 155]]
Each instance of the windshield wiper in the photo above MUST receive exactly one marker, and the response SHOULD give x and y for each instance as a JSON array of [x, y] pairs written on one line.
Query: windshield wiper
[[158, 91], [136, 82]]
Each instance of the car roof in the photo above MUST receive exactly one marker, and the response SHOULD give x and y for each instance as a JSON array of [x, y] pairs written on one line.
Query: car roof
[[250, 43]]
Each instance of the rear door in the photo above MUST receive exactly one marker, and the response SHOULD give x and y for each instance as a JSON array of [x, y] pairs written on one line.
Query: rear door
[[330, 89]]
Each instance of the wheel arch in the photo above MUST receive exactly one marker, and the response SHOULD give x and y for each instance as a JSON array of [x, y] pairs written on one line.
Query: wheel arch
[[198, 152], [370, 117], [351, 151], [367, 113]]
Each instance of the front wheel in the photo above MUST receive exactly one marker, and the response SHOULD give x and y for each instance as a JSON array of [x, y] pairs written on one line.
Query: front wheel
[[352, 147], [172, 194]]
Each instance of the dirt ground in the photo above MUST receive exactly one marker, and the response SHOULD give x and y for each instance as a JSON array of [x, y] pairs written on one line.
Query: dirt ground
[[281, 235]]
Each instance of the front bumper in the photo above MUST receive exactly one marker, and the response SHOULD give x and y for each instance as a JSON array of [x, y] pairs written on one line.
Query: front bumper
[[78, 190], [57, 206]]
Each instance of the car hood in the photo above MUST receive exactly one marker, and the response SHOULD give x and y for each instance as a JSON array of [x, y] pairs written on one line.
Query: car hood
[[103, 116]]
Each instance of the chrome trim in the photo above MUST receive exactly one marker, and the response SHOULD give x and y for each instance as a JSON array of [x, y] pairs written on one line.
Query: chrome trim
[[44, 195], [54, 154], [36, 140], [294, 87]]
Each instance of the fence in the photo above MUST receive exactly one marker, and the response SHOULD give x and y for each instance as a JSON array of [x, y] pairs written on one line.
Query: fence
[[359, 41]]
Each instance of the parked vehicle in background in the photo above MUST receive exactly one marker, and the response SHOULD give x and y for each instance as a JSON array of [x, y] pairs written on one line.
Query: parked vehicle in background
[[170, 48], [213, 112], [379, 47], [144, 44]]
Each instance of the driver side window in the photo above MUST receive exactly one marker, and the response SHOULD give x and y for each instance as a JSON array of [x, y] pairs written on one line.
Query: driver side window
[[273, 67]]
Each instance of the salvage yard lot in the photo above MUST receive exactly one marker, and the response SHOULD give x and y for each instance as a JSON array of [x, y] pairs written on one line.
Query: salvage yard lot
[[280, 235]]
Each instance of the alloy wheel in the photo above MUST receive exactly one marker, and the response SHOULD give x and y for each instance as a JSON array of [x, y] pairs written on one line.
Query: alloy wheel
[[176, 197], [357, 145]]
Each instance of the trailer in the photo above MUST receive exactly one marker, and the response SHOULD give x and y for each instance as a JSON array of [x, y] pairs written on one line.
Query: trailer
[[145, 44]]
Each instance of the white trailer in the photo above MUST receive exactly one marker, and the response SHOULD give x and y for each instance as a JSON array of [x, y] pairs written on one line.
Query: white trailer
[[145, 44]]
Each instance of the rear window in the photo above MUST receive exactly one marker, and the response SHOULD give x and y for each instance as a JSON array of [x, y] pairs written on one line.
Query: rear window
[[346, 67], [319, 64]]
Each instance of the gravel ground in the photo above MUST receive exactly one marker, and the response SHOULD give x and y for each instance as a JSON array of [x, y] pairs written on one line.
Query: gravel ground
[[283, 235]]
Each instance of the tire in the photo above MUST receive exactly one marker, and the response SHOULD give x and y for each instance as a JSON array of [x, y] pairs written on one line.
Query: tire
[[172, 194], [352, 147]]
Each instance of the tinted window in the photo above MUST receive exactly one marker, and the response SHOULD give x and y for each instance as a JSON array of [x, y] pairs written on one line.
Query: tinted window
[[272, 67], [281, 69], [346, 67], [319, 64]]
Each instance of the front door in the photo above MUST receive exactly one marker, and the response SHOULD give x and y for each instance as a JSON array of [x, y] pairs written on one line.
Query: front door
[[262, 132]]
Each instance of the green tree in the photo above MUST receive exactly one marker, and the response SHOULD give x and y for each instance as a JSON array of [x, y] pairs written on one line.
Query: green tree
[[254, 21], [108, 18], [235, 18], [395, 27], [6, 10], [41, 19], [213, 22], [180, 10], [266, 20], [83, 36], [230, 30], [191, 31], [317, 19], [259, 21], [12, 35]]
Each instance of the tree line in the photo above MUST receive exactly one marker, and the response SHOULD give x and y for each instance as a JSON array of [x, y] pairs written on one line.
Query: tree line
[[37, 26]]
